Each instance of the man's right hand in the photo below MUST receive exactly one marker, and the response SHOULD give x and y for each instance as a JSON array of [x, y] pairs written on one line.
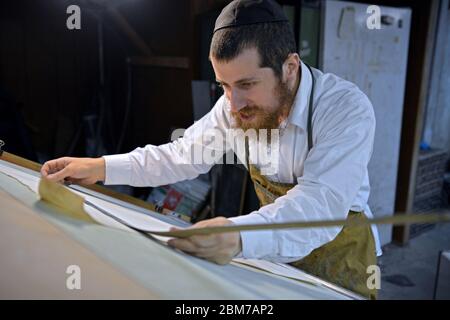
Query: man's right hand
[[75, 170]]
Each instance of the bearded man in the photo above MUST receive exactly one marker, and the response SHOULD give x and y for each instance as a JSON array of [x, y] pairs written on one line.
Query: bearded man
[[325, 137]]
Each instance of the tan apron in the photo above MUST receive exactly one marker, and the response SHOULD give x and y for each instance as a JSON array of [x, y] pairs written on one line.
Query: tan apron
[[342, 261]]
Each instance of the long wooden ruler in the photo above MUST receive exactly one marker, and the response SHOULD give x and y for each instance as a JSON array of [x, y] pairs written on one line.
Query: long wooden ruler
[[402, 219], [72, 204]]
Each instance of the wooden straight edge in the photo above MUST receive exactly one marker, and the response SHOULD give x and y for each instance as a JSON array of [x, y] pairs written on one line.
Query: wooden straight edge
[[72, 204], [25, 163], [401, 233], [403, 219]]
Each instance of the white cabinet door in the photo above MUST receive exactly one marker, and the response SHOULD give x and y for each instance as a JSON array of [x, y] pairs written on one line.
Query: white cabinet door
[[376, 61]]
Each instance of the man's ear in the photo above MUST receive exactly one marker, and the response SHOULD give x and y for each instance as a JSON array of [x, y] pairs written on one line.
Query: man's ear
[[291, 66]]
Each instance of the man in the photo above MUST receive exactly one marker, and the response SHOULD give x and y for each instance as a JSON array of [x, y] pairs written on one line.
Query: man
[[326, 130]]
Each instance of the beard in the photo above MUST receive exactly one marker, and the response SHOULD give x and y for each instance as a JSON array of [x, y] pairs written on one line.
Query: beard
[[261, 118]]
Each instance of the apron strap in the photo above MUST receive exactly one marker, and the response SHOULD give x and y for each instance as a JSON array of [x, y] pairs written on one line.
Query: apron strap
[[310, 110], [247, 153]]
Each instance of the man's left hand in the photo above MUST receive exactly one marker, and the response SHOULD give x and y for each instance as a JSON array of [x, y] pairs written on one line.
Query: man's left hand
[[219, 248]]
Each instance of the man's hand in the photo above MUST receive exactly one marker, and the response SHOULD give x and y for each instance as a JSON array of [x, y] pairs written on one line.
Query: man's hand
[[219, 248], [75, 170]]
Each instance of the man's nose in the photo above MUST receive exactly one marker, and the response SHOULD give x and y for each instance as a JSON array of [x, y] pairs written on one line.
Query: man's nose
[[237, 100]]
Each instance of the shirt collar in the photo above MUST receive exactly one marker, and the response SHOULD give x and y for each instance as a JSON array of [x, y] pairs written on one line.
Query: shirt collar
[[299, 111]]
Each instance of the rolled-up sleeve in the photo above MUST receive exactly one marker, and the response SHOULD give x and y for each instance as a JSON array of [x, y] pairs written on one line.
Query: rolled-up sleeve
[[334, 171]]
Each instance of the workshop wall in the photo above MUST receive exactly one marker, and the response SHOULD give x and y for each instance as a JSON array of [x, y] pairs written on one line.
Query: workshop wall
[[48, 71], [52, 74]]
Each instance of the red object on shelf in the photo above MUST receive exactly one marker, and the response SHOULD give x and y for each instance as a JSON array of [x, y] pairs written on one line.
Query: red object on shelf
[[172, 199]]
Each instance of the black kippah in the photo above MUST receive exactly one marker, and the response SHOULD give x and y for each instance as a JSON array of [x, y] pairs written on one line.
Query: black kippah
[[244, 12]]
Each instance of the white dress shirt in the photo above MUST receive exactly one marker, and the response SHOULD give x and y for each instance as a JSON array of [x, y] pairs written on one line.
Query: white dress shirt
[[331, 179]]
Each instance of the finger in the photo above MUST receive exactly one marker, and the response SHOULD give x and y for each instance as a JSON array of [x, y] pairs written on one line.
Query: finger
[[45, 169], [201, 241], [172, 229], [84, 181], [70, 180], [48, 167], [183, 245], [190, 248], [53, 166], [56, 165], [60, 175], [218, 221]]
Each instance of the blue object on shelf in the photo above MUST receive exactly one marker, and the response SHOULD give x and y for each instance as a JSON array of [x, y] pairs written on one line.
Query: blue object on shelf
[[424, 146]]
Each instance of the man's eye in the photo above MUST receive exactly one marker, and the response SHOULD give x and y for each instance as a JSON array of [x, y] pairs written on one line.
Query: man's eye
[[247, 85], [219, 84]]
